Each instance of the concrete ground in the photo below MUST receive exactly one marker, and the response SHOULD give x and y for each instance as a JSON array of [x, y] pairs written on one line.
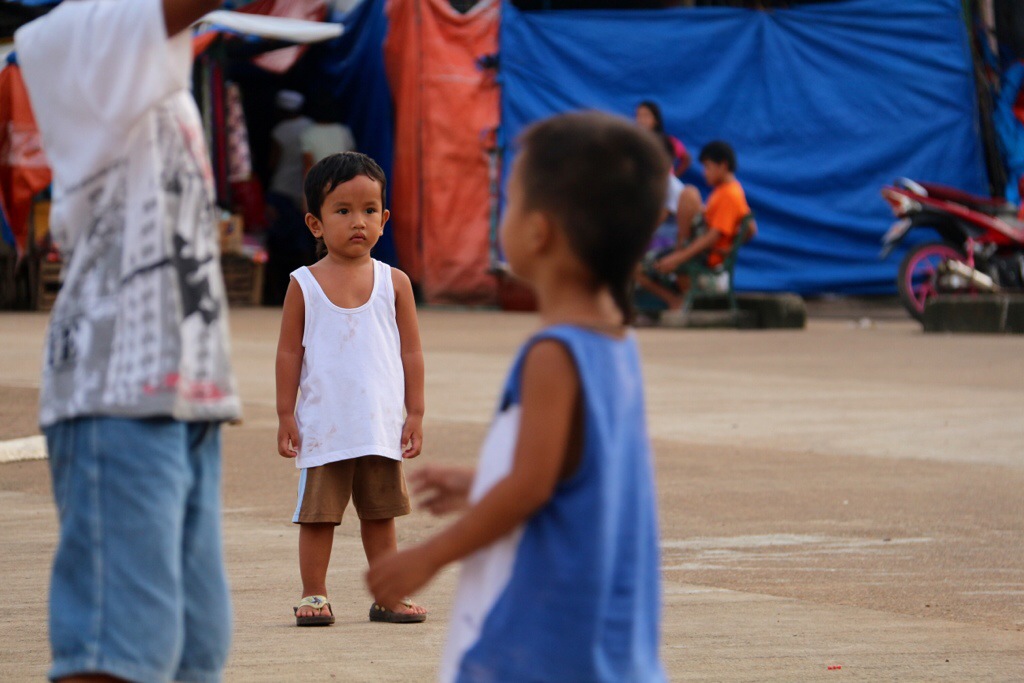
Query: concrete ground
[[848, 495]]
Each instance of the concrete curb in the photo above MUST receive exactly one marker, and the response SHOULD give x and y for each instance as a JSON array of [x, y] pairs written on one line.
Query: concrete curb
[[761, 311], [975, 313], [30, 448]]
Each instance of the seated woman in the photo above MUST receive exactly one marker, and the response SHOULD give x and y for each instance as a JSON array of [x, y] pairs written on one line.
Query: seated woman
[[648, 116]]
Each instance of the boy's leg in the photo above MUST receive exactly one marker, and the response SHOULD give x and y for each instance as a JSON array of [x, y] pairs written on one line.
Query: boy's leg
[[207, 599], [380, 495], [120, 487], [315, 543], [686, 212], [379, 539], [670, 297], [324, 493]]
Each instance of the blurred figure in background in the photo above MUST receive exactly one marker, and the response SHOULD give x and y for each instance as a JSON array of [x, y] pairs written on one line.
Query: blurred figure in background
[[289, 244], [683, 202], [325, 136], [649, 117]]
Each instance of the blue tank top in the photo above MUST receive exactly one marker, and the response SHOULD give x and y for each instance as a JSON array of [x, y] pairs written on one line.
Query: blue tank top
[[574, 593]]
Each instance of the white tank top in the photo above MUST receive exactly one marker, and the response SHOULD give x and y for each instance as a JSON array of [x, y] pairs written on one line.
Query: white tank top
[[352, 386]]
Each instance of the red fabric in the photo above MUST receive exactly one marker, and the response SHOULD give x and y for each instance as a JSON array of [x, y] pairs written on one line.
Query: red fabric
[[24, 170], [203, 41], [444, 105], [248, 200], [220, 130]]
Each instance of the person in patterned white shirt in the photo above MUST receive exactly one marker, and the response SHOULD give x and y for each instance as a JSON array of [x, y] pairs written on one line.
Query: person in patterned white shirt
[[136, 374]]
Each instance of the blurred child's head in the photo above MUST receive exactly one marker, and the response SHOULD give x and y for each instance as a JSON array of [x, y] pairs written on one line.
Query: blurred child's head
[[648, 116], [719, 161], [585, 196], [345, 198]]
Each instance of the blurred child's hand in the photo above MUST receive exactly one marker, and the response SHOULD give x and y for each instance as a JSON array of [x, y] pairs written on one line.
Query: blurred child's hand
[[412, 436], [442, 489], [395, 576], [288, 437]]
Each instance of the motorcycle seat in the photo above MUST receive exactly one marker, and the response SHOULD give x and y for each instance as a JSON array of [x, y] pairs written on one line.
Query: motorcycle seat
[[992, 206], [1014, 228]]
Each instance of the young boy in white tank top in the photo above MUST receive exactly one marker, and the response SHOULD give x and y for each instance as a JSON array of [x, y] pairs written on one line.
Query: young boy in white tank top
[[350, 348]]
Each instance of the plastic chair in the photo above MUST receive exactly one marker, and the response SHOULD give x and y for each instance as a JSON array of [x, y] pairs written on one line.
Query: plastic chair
[[704, 279]]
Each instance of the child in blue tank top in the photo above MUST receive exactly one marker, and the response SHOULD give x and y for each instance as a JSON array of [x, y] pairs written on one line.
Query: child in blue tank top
[[560, 578]]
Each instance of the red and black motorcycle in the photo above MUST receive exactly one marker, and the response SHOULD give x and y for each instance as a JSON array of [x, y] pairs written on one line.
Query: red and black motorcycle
[[981, 245]]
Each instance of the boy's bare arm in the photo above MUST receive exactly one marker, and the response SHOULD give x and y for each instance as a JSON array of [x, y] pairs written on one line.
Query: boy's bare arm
[[412, 364], [289, 368], [180, 14], [669, 263], [752, 233], [549, 398]]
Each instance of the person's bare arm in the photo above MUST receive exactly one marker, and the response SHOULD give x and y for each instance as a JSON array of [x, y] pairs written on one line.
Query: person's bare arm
[[442, 489], [289, 368], [180, 14], [683, 163], [412, 364], [669, 263], [549, 400], [752, 232]]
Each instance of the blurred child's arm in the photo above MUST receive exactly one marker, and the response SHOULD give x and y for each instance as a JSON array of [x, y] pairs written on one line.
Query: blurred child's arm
[[412, 364], [180, 14], [550, 396], [442, 489], [289, 368]]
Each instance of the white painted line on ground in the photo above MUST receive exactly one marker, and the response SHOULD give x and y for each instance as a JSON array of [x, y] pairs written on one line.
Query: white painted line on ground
[[30, 448]]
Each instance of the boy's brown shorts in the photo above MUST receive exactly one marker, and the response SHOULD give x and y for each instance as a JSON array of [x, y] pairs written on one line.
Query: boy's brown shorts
[[374, 483]]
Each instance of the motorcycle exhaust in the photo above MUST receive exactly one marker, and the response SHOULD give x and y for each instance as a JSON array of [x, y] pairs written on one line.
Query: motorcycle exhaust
[[978, 279]]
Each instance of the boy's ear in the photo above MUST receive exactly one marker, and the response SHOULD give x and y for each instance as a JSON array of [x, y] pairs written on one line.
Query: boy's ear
[[542, 232], [384, 216], [314, 225]]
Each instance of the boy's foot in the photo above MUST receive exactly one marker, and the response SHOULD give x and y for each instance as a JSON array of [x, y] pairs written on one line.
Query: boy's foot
[[405, 612], [675, 318], [645, 320], [314, 610]]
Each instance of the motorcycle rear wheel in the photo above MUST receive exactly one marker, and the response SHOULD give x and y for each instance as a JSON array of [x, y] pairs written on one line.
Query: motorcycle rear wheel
[[918, 279]]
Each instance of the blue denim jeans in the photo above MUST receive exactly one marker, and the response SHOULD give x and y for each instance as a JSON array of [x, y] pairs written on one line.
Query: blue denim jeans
[[138, 589]]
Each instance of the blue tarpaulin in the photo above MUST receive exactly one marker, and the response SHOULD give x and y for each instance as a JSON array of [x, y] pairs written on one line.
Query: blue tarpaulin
[[824, 104], [352, 67]]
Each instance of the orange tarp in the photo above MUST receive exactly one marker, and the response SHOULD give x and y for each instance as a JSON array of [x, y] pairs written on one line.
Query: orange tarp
[[24, 171], [444, 107]]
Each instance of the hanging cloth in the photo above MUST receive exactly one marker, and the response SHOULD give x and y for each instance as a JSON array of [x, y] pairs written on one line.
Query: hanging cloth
[[24, 170]]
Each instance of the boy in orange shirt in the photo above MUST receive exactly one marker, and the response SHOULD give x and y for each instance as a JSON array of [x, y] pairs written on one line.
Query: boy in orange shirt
[[726, 208]]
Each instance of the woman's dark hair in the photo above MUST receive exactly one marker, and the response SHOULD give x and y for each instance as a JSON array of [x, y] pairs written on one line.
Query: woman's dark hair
[[719, 152], [334, 170], [659, 126], [659, 120], [603, 180]]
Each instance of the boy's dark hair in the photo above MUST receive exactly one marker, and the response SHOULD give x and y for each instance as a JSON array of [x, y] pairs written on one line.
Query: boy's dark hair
[[719, 152], [603, 179], [336, 169]]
